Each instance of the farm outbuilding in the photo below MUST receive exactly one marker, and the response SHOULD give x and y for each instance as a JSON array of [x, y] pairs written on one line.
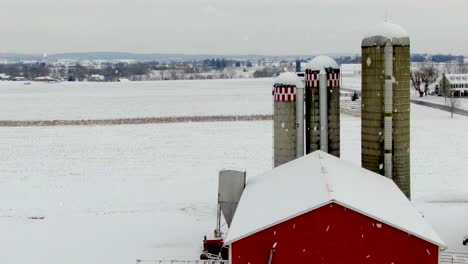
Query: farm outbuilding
[[320, 209]]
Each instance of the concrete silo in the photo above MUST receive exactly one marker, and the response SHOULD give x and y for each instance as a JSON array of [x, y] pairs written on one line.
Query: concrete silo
[[385, 131], [322, 106], [288, 129]]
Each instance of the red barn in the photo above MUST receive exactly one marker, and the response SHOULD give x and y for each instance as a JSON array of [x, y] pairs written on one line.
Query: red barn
[[320, 209]]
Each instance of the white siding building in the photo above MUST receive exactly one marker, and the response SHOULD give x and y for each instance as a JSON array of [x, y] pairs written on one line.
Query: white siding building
[[454, 83]]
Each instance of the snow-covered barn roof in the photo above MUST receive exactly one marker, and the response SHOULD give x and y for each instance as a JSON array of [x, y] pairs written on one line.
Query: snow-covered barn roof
[[457, 78], [315, 180]]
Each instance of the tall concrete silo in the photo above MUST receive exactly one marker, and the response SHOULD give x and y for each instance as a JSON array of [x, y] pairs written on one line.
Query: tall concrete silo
[[288, 127], [385, 131], [322, 106]]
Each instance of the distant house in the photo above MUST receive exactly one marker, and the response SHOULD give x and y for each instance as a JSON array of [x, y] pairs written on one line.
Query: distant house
[[44, 79], [4, 77], [96, 78], [457, 84]]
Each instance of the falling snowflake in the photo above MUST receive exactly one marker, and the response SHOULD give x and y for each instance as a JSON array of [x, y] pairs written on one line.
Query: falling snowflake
[[381, 166], [368, 256], [428, 252], [282, 124], [369, 61], [379, 225], [328, 229]]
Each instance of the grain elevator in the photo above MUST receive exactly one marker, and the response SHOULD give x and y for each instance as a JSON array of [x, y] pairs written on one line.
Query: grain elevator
[[385, 131], [307, 111]]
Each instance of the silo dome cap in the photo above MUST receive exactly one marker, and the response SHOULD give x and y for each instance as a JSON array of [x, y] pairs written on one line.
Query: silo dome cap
[[321, 62], [289, 78], [382, 32]]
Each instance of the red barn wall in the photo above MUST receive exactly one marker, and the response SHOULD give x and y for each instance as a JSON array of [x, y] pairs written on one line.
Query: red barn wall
[[334, 234]]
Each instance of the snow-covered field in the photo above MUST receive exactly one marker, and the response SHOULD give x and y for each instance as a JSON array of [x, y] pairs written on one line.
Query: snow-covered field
[[114, 194], [80, 100], [351, 82]]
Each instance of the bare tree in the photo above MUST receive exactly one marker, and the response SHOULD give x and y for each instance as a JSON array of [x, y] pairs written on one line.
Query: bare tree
[[416, 81], [174, 75], [462, 67], [424, 76], [453, 102], [450, 67]]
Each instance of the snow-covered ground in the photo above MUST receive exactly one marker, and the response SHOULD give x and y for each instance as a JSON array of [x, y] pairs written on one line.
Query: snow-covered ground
[[119, 193], [115, 194], [81, 100], [351, 82]]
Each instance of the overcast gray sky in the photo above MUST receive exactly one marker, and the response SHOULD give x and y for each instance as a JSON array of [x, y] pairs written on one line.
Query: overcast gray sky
[[225, 26]]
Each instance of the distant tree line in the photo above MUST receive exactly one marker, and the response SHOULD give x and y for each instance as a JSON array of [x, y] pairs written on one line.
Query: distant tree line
[[28, 71], [348, 59], [197, 69], [111, 72], [267, 72], [439, 58]]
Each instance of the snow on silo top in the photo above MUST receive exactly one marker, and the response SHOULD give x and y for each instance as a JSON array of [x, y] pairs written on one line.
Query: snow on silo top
[[289, 78], [379, 35], [322, 62]]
